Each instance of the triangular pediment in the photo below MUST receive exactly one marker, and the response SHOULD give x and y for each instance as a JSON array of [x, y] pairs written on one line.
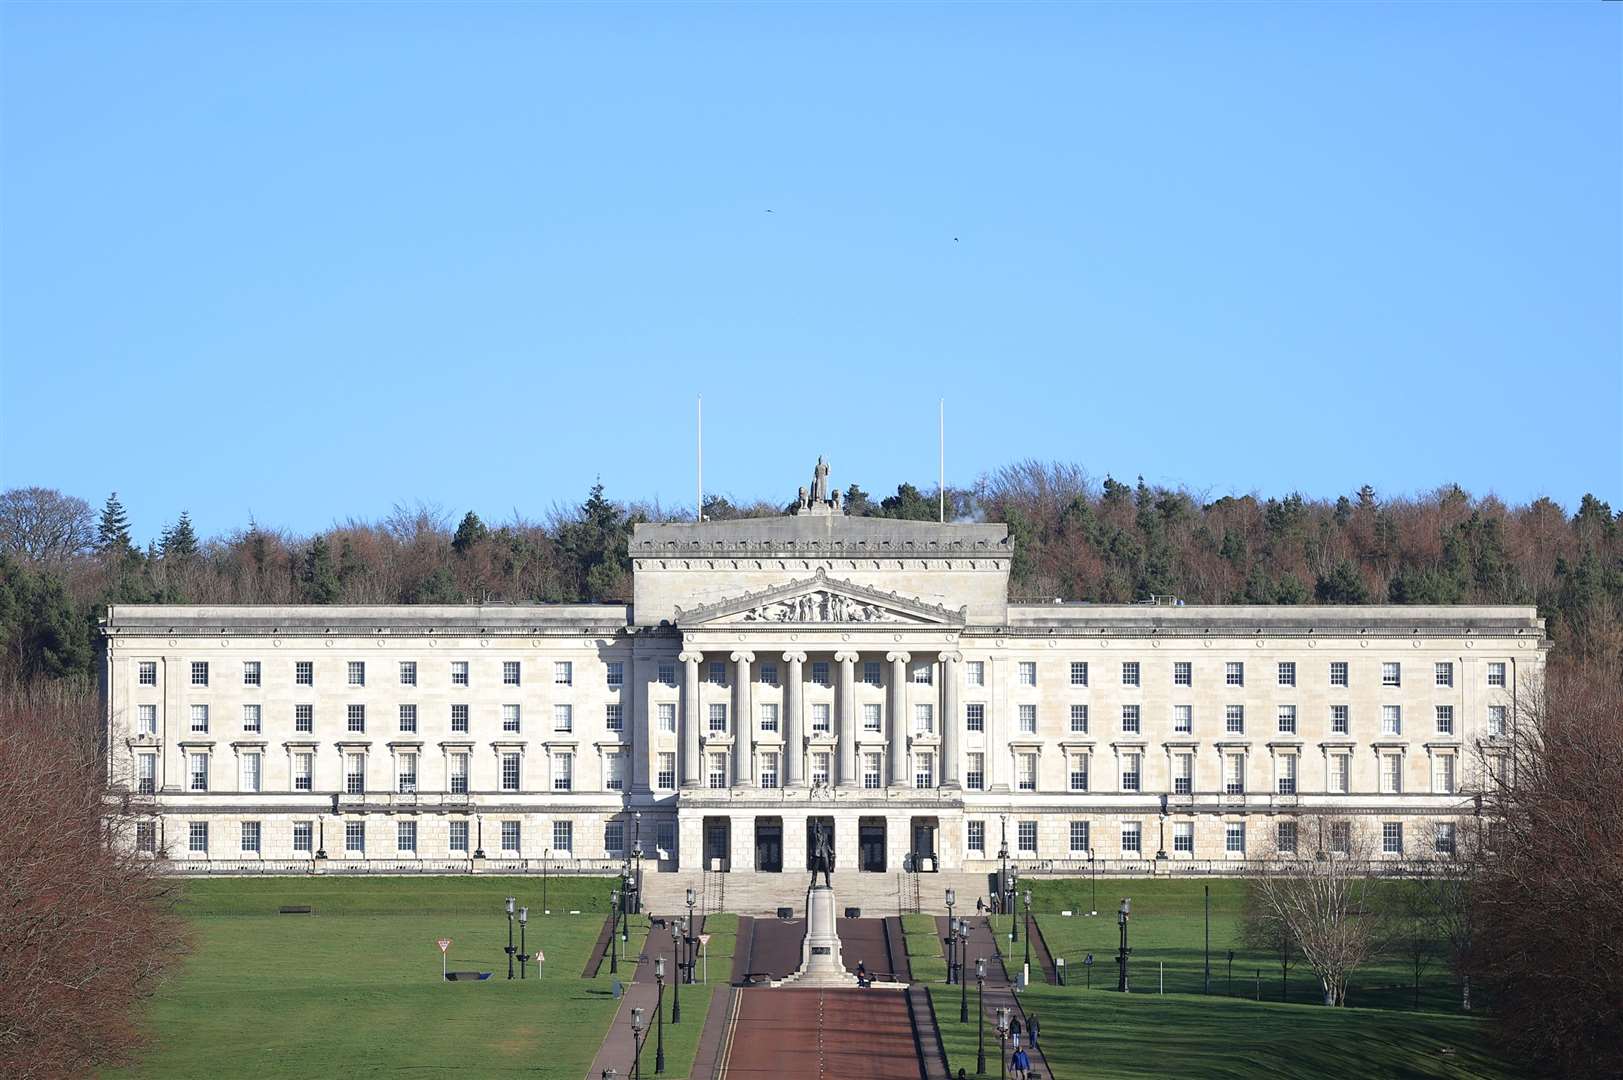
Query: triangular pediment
[[821, 600]]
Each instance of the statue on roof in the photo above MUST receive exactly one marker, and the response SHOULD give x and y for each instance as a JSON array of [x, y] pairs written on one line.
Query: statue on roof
[[818, 499]]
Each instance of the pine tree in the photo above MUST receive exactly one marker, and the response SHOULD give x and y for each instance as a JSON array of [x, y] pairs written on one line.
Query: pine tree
[[179, 541], [113, 532], [469, 533], [319, 580]]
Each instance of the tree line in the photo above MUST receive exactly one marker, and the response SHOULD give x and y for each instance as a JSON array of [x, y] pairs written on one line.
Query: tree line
[[62, 562]]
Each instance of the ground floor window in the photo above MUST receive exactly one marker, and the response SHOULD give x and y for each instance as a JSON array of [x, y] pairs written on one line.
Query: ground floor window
[[1026, 834], [1079, 836], [1443, 842], [459, 836], [976, 831], [1183, 836], [1234, 838], [1392, 837], [302, 838], [510, 837], [1285, 838], [563, 836], [250, 837], [146, 837], [197, 837], [665, 838], [355, 837], [614, 837], [1132, 838], [406, 836]]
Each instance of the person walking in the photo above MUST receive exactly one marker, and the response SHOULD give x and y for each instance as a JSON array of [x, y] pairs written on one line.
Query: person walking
[[1034, 1027], [1014, 1029], [1020, 1065]]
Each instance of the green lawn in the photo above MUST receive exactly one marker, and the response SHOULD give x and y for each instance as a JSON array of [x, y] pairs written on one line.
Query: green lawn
[[682, 1040], [355, 988]]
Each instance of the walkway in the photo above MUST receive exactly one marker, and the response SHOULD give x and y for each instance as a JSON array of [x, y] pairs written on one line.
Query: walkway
[[999, 993], [641, 991], [821, 1035]]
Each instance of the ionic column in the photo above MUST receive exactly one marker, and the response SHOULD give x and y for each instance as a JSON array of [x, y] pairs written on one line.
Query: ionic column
[[847, 724], [951, 662], [898, 718], [743, 721], [794, 747], [690, 718]]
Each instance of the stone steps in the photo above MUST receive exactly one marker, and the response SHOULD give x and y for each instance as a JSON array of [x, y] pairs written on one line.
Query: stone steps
[[879, 895]]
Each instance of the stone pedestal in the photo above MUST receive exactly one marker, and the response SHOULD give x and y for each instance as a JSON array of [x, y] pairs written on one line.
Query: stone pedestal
[[820, 962]]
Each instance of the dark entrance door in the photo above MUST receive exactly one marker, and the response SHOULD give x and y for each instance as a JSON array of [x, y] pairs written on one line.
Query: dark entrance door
[[871, 848], [924, 844], [717, 844], [769, 845]]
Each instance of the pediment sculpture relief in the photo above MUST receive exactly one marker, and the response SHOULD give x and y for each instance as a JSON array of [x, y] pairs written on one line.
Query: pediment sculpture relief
[[819, 606]]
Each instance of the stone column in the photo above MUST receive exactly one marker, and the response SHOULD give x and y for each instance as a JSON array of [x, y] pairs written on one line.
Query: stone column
[[846, 774], [691, 767], [794, 740], [898, 717], [997, 735], [951, 663], [743, 721]]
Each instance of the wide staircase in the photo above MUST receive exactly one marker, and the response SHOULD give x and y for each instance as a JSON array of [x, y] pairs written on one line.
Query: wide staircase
[[748, 892]]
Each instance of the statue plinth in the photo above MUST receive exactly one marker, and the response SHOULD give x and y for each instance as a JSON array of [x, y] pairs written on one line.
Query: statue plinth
[[820, 960]]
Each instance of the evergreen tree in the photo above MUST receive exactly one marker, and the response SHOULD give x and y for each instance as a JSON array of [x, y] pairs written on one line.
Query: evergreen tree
[[319, 580], [469, 533], [1343, 585], [113, 531], [180, 540], [858, 502], [908, 504], [1366, 498]]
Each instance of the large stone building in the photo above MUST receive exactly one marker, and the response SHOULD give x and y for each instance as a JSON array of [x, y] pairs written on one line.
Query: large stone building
[[867, 672]]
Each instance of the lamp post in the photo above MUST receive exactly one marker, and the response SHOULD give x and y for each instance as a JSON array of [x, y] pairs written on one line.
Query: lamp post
[[638, 1026], [1014, 923], [1093, 871], [1003, 858], [510, 903], [636, 852], [1122, 915], [980, 1012], [1230, 991], [546, 856], [523, 949], [952, 935], [659, 1014], [676, 983], [614, 932], [1028, 934], [690, 937], [963, 984], [1002, 1044]]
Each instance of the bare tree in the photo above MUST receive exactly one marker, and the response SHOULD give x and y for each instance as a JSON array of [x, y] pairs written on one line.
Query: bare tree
[[1410, 926], [85, 925], [44, 525], [1325, 905], [1263, 929]]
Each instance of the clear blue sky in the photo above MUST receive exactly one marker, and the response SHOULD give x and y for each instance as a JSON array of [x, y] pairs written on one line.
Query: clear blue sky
[[305, 261]]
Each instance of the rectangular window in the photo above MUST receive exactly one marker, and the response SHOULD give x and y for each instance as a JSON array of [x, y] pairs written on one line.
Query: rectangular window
[[459, 774], [512, 720], [1079, 677], [769, 716], [406, 769], [1028, 673], [924, 771], [304, 767], [512, 836], [1443, 838], [200, 719], [1079, 837], [1287, 673], [408, 673], [1444, 673], [1339, 722], [667, 674], [304, 673], [922, 674], [459, 718], [511, 673], [1445, 719], [1025, 772], [870, 672], [459, 673], [1338, 673], [1442, 774], [718, 673], [1234, 719], [357, 673], [1129, 673], [304, 719], [1285, 837], [405, 837], [250, 673], [974, 771], [251, 772], [200, 672], [974, 717], [665, 837], [1183, 773], [614, 837], [718, 718], [613, 717], [768, 771], [1287, 719], [563, 836], [1129, 719], [1079, 719], [1234, 774], [872, 717], [1183, 836], [665, 772], [1234, 673], [769, 674], [1026, 837], [975, 673], [1183, 673], [976, 831], [718, 770], [459, 836], [1496, 720], [251, 718], [563, 717], [511, 771], [1392, 837], [820, 768], [1079, 772], [1341, 837], [1340, 773], [199, 772], [1391, 674], [667, 718], [355, 717], [1391, 719], [1496, 674], [355, 774], [563, 772], [146, 673], [197, 837], [408, 718], [1028, 719], [1131, 771], [302, 837], [355, 837], [614, 674], [1132, 838], [146, 774], [1183, 719], [563, 673], [1234, 838], [614, 772], [1287, 774], [820, 722], [819, 674], [1391, 774]]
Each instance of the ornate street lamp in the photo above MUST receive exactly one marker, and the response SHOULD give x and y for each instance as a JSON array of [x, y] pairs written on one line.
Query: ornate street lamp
[[659, 1014], [1028, 932], [1003, 857], [676, 983], [963, 983], [1093, 869], [638, 1026], [690, 942], [1002, 1043], [523, 949], [1122, 915], [980, 1012], [1014, 923], [510, 949], [614, 932], [952, 930]]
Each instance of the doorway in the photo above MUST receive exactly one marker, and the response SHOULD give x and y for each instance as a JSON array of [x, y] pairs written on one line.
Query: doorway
[[871, 846], [924, 830], [718, 844], [769, 845]]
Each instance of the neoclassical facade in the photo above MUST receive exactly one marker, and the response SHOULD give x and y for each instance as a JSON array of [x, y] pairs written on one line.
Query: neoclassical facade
[[870, 673]]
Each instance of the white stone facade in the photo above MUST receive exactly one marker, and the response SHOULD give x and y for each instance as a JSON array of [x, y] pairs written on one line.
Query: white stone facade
[[889, 686]]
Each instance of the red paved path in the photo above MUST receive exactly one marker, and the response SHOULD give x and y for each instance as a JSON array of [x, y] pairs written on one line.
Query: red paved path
[[821, 1035]]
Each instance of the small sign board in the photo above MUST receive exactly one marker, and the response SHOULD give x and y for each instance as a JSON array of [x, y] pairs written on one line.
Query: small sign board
[[704, 939], [540, 957], [444, 943]]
